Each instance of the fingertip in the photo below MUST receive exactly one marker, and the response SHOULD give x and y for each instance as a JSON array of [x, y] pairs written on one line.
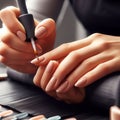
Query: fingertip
[[81, 82], [45, 28]]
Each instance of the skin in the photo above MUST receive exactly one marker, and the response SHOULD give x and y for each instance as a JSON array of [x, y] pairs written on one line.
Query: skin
[[17, 54], [12, 44], [82, 62]]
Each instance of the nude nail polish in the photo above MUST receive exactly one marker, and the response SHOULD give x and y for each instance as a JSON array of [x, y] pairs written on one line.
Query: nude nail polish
[[40, 32], [63, 88], [37, 61], [50, 67], [81, 82], [21, 35], [51, 84]]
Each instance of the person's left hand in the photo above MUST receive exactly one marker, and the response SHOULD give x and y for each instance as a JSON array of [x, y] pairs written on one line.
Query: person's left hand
[[83, 62]]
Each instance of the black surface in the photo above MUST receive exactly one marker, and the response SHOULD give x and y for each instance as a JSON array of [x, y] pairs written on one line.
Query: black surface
[[27, 98]]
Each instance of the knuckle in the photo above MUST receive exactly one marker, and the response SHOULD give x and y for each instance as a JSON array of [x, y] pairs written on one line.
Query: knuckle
[[64, 46], [103, 44], [88, 63], [105, 67], [74, 54], [96, 35]]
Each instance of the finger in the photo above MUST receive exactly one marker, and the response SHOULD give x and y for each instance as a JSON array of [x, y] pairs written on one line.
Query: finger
[[61, 51], [45, 33], [22, 68], [70, 63], [9, 17], [45, 28], [38, 76], [50, 69], [14, 42], [74, 95], [17, 56], [100, 71], [84, 67]]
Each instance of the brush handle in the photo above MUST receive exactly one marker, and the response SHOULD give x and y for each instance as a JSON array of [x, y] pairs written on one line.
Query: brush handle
[[27, 20], [22, 6]]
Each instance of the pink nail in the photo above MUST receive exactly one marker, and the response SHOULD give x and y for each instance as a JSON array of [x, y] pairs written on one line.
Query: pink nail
[[51, 84], [63, 88], [81, 82], [50, 67], [40, 32], [38, 60], [21, 35]]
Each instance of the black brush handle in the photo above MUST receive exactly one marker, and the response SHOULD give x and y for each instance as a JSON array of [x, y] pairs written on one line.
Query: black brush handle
[[22, 6], [27, 20]]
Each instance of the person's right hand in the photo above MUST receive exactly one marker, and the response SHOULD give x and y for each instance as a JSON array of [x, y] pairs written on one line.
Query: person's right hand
[[14, 51]]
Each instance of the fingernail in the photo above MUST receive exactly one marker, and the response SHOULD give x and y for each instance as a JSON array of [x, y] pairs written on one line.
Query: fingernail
[[37, 61], [51, 84], [63, 88], [40, 32], [81, 82], [21, 35], [50, 67]]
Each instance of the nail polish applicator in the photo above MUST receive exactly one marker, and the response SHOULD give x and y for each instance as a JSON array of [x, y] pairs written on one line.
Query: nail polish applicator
[[28, 22]]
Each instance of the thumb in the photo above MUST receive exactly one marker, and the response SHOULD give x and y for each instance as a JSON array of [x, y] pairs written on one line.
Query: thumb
[[45, 28], [9, 17]]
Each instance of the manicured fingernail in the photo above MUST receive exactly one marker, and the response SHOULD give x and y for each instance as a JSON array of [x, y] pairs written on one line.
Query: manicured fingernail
[[81, 82], [50, 67], [38, 60], [21, 35], [51, 84], [40, 32], [63, 88]]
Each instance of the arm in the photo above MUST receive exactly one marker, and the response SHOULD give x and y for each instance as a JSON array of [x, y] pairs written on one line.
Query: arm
[[42, 9]]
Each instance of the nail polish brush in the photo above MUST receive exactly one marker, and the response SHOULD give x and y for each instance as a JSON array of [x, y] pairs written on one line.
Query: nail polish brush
[[28, 22]]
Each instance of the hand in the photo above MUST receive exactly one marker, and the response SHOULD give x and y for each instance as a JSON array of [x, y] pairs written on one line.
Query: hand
[[41, 79], [14, 51], [84, 61]]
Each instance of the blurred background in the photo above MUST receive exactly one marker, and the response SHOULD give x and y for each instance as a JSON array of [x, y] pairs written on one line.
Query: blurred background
[[68, 27]]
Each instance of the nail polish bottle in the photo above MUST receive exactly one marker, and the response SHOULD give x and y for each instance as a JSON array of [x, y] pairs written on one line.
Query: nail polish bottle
[[115, 110]]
